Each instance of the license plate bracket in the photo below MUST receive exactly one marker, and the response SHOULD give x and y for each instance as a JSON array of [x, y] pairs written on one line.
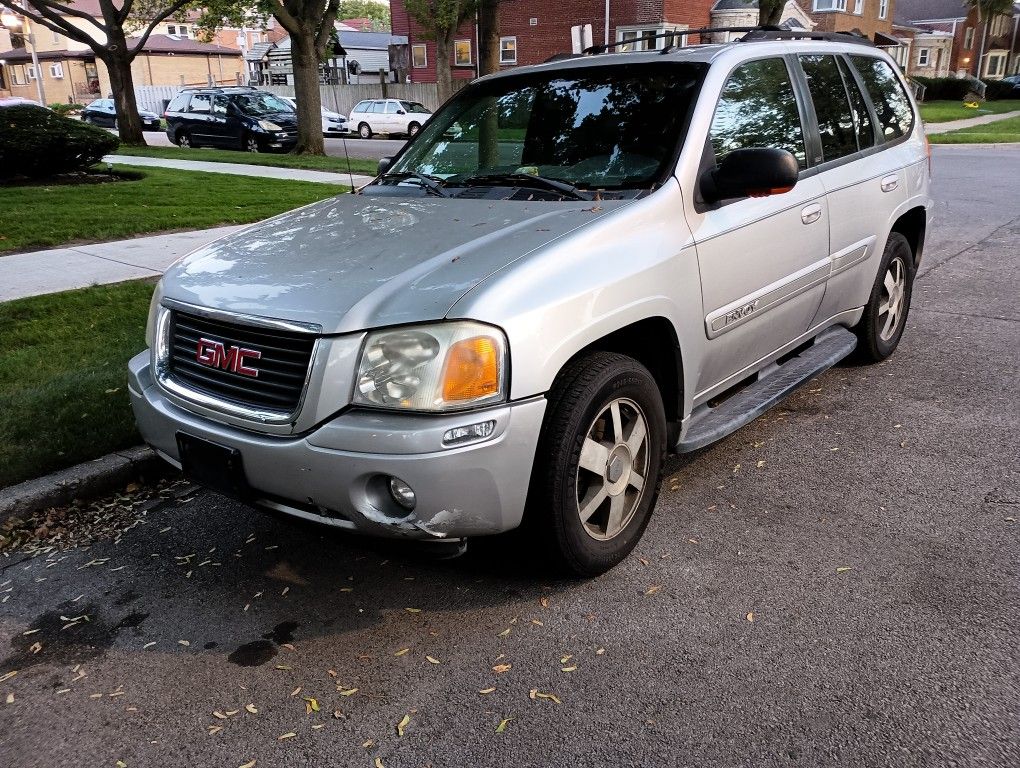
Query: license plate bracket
[[212, 465]]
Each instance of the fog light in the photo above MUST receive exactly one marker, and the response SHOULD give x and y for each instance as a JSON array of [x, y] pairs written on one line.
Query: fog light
[[468, 433], [402, 493]]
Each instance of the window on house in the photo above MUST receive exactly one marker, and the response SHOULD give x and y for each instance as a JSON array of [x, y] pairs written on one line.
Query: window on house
[[178, 29], [923, 55], [508, 50], [419, 56], [56, 37], [18, 75], [462, 53], [996, 66], [968, 38], [57, 71], [30, 72], [830, 5], [883, 8], [646, 39], [757, 108], [859, 7], [832, 107]]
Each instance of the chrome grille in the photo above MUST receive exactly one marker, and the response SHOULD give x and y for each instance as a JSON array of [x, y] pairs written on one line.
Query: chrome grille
[[282, 367]]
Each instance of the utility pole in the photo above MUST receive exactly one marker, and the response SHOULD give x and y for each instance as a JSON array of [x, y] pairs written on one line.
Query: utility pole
[[13, 22]]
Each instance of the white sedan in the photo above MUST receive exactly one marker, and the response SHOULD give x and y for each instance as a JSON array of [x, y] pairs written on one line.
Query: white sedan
[[333, 123]]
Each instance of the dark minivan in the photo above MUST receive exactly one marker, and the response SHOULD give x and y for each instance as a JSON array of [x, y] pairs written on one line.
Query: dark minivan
[[231, 118]]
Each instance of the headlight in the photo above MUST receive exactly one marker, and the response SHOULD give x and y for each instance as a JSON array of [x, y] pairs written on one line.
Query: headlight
[[269, 125], [150, 323], [437, 367]]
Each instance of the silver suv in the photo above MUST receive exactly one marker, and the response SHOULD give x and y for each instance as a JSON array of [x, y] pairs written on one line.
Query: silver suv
[[574, 269]]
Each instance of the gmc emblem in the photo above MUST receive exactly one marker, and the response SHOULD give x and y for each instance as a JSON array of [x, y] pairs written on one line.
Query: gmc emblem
[[216, 355]]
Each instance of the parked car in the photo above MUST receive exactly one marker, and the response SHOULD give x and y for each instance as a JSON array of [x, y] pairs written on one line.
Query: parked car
[[18, 101], [390, 116], [231, 118], [103, 112], [333, 123], [610, 258], [1014, 81]]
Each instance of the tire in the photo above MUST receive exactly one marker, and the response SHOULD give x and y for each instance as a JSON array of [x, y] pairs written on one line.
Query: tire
[[365, 131], [589, 521], [412, 130], [116, 126], [87, 120], [250, 143], [184, 140], [879, 333]]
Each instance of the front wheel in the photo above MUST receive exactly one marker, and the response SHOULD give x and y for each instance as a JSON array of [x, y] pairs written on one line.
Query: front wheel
[[412, 130], [599, 460], [881, 326], [365, 131], [251, 144], [184, 140]]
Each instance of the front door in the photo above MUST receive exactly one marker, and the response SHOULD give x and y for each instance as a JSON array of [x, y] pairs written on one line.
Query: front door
[[764, 260]]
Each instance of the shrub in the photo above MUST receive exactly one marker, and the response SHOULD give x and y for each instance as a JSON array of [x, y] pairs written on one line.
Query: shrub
[[996, 89], [944, 88], [36, 142], [67, 109]]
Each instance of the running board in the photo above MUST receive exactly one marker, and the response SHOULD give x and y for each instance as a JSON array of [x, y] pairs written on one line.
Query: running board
[[710, 424]]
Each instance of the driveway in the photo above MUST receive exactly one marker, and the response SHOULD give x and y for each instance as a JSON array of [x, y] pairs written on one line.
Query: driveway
[[837, 583]]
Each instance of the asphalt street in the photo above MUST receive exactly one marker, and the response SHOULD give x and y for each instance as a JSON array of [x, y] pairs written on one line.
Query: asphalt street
[[836, 584], [366, 149]]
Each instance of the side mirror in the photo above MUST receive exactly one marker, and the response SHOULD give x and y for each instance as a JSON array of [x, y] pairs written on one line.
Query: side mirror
[[755, 172], [401, 112], [384, 165]]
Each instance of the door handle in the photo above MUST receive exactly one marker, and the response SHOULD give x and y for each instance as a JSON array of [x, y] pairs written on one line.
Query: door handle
[[811, 213], [889, 183]]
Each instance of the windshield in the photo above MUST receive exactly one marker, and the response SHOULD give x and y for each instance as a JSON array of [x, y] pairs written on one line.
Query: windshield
[[259, 104], [607, 127], [414, 106]]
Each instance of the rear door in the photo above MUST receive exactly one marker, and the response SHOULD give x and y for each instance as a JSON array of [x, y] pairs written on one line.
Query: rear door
[[763, 261], [199, 118]]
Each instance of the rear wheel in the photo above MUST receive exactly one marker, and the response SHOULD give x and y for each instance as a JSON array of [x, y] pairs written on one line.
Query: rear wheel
[[412, 130], [184, 140], [596, 475], [881, 327], [365, 131]]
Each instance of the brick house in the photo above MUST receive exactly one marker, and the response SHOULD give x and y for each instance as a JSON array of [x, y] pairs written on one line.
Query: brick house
[[531, 32], [988, 48], [924, 52], [871, 18]]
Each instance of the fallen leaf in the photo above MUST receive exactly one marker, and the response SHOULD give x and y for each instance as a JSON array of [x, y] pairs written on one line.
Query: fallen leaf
[[185, 643], [296, 691], [10, 698], [413, 610], [503, 724], [499, 669], [349, 692], [653, 589], [485, 691], [537, 623], [750, 616], [288, 735], [368, 744], [432, 659], [379, 763], [504, 633], [219, 715], [404, 722], [540, 695], [121, 763], [250, 708], [566, 658], [213, 729], [248, 765], [544, 602], [600, 651], [568, 669], [402, 651], [643, 561], [844, 569], [311, 705]]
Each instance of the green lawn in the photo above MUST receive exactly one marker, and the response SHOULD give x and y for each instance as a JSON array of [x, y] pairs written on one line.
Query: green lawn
[[161, 200], [944, 111], [1002, 132], [63, 377], [307, 162]]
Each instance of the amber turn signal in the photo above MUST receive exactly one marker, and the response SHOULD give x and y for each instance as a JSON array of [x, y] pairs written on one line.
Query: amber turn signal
[[472, 370]]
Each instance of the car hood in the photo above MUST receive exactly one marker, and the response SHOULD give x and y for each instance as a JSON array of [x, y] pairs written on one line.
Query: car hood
[[354, 262], [147, 115]]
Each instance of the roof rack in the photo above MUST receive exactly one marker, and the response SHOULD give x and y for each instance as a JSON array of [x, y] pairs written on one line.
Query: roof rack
[[751, 34], [219, 88]]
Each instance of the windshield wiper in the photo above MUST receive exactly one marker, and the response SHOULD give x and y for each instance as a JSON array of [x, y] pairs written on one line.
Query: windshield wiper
[[430, 184], [526, 180]]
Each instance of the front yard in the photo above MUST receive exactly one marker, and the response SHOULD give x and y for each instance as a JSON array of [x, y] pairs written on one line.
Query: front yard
[[1004, 131], [944, 111], [305, 162], [153, 200], [63, 376]]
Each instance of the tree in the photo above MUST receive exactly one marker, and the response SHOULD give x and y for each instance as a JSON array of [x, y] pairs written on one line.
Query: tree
[[108, 38], [310, 25], [439, 20], [488, 37], [366, 9], [770, 12]]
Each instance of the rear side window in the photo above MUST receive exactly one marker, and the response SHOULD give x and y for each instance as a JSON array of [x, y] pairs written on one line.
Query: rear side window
[[178, 104], [832, 107], [895, 115], [757, 108], [862, 118], [360, 107], [200, 102], [391, 107]]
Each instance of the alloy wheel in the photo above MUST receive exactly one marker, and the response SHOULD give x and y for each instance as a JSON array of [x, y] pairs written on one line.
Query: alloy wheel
[[252, 145], [612, 469], [184, 141], [894, 286]]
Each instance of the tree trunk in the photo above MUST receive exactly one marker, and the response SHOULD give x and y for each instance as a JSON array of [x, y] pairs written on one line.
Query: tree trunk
[[118, 66], [444, 73], [770, 12], [488, 23], [306, 93]]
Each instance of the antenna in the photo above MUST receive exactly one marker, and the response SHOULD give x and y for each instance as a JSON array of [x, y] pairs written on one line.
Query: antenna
[[350, 175]]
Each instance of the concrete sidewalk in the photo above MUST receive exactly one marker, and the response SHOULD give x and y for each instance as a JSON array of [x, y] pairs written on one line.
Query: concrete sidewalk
[[78, 266], [970, 122], [244, 169]]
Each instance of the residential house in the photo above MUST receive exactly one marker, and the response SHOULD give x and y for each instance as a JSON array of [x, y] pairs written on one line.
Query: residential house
[[360, 58], [871, 18], [987, 48], [744, 13], [531, 32], [923, 52]]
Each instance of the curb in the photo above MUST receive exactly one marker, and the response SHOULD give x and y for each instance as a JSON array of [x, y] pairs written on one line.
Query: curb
[[83, 481]]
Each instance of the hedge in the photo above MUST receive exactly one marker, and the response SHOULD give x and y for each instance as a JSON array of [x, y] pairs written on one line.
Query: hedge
[[955, 89], [37, 143]]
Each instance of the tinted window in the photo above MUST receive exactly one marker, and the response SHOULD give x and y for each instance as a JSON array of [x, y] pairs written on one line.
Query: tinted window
[[200, 102], [862, 118], [832, 106], [178, 104], [757, 108], [892, 106], [220, 105], [391, 107]]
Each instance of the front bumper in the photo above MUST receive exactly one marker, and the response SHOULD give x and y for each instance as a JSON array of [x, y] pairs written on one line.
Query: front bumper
[[338, 473]]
